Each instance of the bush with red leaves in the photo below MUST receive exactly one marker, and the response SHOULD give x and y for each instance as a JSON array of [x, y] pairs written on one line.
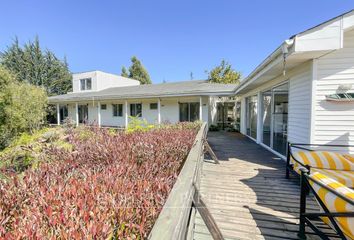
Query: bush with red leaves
[[110, 186]]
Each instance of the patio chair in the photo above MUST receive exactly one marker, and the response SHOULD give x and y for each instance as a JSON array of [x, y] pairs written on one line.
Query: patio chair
[[338, 166], [336, 202]]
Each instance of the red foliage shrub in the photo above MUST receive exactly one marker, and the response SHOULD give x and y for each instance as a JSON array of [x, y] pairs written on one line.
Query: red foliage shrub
[[109, 186]]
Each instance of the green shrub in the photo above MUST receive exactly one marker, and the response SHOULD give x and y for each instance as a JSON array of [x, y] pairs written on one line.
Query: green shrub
[[139, 125], [22, 107], [29, 150], [213, 128]]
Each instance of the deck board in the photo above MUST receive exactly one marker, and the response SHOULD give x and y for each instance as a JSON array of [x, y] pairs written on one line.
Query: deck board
[[247, 193]]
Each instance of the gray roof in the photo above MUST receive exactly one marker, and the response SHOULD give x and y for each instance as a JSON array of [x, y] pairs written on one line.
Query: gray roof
[[186, 88]]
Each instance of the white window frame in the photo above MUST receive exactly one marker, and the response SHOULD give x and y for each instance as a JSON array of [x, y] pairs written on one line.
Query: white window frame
[[84, 87]]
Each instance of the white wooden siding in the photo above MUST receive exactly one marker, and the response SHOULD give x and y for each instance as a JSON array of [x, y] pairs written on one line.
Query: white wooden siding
[[334, 121], [299, 121]]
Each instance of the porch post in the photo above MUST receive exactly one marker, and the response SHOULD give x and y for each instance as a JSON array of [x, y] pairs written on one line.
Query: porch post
[[99, 114], [126, 113], [77, 114], [159, 111], [58, 114], [200, 109]]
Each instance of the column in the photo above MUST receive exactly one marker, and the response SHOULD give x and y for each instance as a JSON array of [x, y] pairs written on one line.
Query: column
[[159, 111], [77, 114], [200, 108], [58, 114], [126, 114], [99, 114]]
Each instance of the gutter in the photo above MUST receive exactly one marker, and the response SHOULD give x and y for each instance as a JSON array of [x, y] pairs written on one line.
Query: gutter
[[98, 98], [283, 51]]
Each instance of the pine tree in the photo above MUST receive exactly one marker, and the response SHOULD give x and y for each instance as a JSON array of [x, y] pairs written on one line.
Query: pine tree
[[38, 67], [138, 72], [124, 72]]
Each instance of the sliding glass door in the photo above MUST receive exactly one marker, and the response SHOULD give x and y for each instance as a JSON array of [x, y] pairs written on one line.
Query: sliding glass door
[[188, 112], [275, 118], [267, 117], [83, 113], [251, 116], [280, 118]]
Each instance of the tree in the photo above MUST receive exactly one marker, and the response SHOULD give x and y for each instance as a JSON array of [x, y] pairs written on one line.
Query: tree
[[224, 73], [124, 72], [22, 107], [138, 72], [33, 65]]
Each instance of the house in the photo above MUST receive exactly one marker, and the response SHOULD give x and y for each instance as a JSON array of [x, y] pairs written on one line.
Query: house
[[303, 92], [108, 100]]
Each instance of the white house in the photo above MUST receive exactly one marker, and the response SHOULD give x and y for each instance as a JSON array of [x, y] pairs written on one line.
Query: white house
[[303, 92], [108, 100]]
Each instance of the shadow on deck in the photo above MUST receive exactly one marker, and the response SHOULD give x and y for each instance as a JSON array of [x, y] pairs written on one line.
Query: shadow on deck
[[247, 193]]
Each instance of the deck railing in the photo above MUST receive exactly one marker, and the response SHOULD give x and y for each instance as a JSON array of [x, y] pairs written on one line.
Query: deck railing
[[176, 218]]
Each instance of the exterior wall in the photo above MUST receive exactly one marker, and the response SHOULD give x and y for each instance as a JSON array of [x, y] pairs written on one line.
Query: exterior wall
[[169, 110], [299, 108], [334, 121], [300, 95], [108, 80], [102, 80], [213, 110], [78, 76]]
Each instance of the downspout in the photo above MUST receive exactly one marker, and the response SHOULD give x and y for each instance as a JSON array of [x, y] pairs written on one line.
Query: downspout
[[285, 51]]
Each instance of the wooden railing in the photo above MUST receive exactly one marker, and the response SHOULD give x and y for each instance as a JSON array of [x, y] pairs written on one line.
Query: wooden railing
[[177, 216]]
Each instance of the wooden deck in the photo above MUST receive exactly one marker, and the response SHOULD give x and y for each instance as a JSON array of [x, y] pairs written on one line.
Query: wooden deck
[[247, 193]]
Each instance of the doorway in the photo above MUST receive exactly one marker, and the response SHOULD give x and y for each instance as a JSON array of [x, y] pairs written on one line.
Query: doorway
[[275, 118], [251, 116], [63, 113], [83, 113], [226, 115]]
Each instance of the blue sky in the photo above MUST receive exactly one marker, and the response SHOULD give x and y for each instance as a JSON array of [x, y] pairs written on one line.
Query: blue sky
[[172, 38]]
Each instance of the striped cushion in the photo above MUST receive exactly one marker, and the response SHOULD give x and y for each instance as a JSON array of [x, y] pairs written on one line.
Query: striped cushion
[[350, 157], [344, 177], [334, 203], [323, 159]]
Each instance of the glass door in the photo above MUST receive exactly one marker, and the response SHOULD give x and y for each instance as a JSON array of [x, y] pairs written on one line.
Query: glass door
[[275, 118], [251, 115], [267, 117], [83, 113], [280, 118], [63, 110], [226, 114]]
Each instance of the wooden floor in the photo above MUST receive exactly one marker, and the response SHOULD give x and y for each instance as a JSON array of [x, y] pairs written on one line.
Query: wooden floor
[[247, 193]]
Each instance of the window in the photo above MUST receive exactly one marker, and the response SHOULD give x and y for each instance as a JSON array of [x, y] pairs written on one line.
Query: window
[[153, 106], [103, 106], [135, 110], [117, 110], [85, 84], [188, 112]]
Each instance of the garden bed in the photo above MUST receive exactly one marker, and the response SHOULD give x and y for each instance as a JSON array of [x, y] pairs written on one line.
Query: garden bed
[[110, 184]]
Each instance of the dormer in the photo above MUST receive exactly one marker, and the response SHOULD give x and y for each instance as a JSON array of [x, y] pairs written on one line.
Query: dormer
[[97, 80]]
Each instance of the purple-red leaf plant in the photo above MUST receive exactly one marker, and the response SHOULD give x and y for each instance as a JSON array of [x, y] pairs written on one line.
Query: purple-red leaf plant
[[109, 186]]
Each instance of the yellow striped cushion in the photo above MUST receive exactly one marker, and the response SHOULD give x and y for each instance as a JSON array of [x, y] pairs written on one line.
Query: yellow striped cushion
[[350, 157], [334, 203], [344, 177], [323, 159]]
